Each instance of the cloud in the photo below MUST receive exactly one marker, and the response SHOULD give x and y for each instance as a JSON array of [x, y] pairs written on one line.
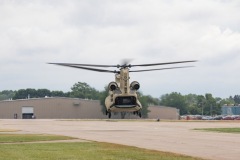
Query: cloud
[[104, 32]]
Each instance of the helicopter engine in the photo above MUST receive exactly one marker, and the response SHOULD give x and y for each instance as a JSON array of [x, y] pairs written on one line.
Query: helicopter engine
[[135, 85], [112, 86]]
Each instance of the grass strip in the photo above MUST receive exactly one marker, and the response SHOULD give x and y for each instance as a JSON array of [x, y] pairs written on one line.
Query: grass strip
[[222, 130], [83, 151], [14, 138]]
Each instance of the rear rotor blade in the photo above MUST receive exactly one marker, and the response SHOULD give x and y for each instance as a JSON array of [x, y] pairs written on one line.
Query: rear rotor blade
[[86, 68], [156, 64], [160, 69], [90, 65]]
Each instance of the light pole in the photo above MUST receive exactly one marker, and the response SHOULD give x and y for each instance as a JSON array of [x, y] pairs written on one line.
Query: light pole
[[202, 105], [211, 109]]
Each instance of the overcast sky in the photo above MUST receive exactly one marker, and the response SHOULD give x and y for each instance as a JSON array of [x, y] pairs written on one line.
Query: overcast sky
[[34, 32]]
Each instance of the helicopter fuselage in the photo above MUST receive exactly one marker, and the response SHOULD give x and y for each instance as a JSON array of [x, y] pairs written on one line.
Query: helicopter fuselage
[[123, 95]]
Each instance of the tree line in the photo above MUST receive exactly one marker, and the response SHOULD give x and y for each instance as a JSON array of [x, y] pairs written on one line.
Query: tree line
[[78, 90], [197, 104], [187, 104]]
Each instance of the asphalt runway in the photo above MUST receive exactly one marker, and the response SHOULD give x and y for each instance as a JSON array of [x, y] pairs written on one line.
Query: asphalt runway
[[177, 137]]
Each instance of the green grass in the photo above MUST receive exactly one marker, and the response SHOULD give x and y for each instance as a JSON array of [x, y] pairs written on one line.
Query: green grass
[[75, 150], [83, 151], [13, 138], [223, 130]]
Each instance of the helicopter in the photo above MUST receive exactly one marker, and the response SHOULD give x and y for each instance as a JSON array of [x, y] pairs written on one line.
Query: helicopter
[[122, 96]]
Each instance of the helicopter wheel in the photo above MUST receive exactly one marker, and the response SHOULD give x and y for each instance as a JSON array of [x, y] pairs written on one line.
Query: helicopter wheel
[[109, 115], [140, 114]]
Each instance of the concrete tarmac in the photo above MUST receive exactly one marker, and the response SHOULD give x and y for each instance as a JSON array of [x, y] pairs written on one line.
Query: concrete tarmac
[[177, 137]]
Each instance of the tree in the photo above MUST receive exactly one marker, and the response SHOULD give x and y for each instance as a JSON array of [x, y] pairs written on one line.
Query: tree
[[176, 100], [152, 101], [193, 110], [25, 93], [192, 104], [212, 105], [6, 94], [31, 93], [227, 101], [102, 95], [144, 100], [83, 90], [43, 93], [58, 94], [201, 101], [236, 99]]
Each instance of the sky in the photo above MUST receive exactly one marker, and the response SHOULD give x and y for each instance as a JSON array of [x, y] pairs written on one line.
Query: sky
[[35, 32]]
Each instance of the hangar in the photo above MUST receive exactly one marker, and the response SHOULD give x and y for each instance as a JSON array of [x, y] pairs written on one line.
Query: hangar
[[69, 108]]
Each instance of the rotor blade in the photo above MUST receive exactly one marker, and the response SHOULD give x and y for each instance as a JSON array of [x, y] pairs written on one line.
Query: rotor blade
[[160, 69], [90, 65], [86, 68], [155, 64]]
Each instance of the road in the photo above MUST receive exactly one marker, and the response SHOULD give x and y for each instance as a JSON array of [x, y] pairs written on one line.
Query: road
[[177, 137]]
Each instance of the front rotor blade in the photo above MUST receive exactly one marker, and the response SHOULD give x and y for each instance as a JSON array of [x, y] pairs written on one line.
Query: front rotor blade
[[160, 69], [90, 65], [86, 68], [156, 64]]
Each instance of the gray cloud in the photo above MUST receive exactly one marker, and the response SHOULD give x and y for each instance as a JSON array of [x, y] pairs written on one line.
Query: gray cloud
[[104, 32]]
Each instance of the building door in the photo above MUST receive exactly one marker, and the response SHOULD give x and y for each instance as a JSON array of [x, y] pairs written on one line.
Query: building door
[[27, 112]]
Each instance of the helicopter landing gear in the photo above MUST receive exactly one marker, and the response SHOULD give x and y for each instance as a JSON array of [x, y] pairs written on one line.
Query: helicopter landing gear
[[109, 115], [138, 113]]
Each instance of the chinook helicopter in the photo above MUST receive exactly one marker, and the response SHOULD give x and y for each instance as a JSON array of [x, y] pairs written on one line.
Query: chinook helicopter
[[123, 95]]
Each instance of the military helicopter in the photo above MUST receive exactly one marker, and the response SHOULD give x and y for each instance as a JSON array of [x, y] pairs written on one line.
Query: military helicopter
[[123, 95]]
